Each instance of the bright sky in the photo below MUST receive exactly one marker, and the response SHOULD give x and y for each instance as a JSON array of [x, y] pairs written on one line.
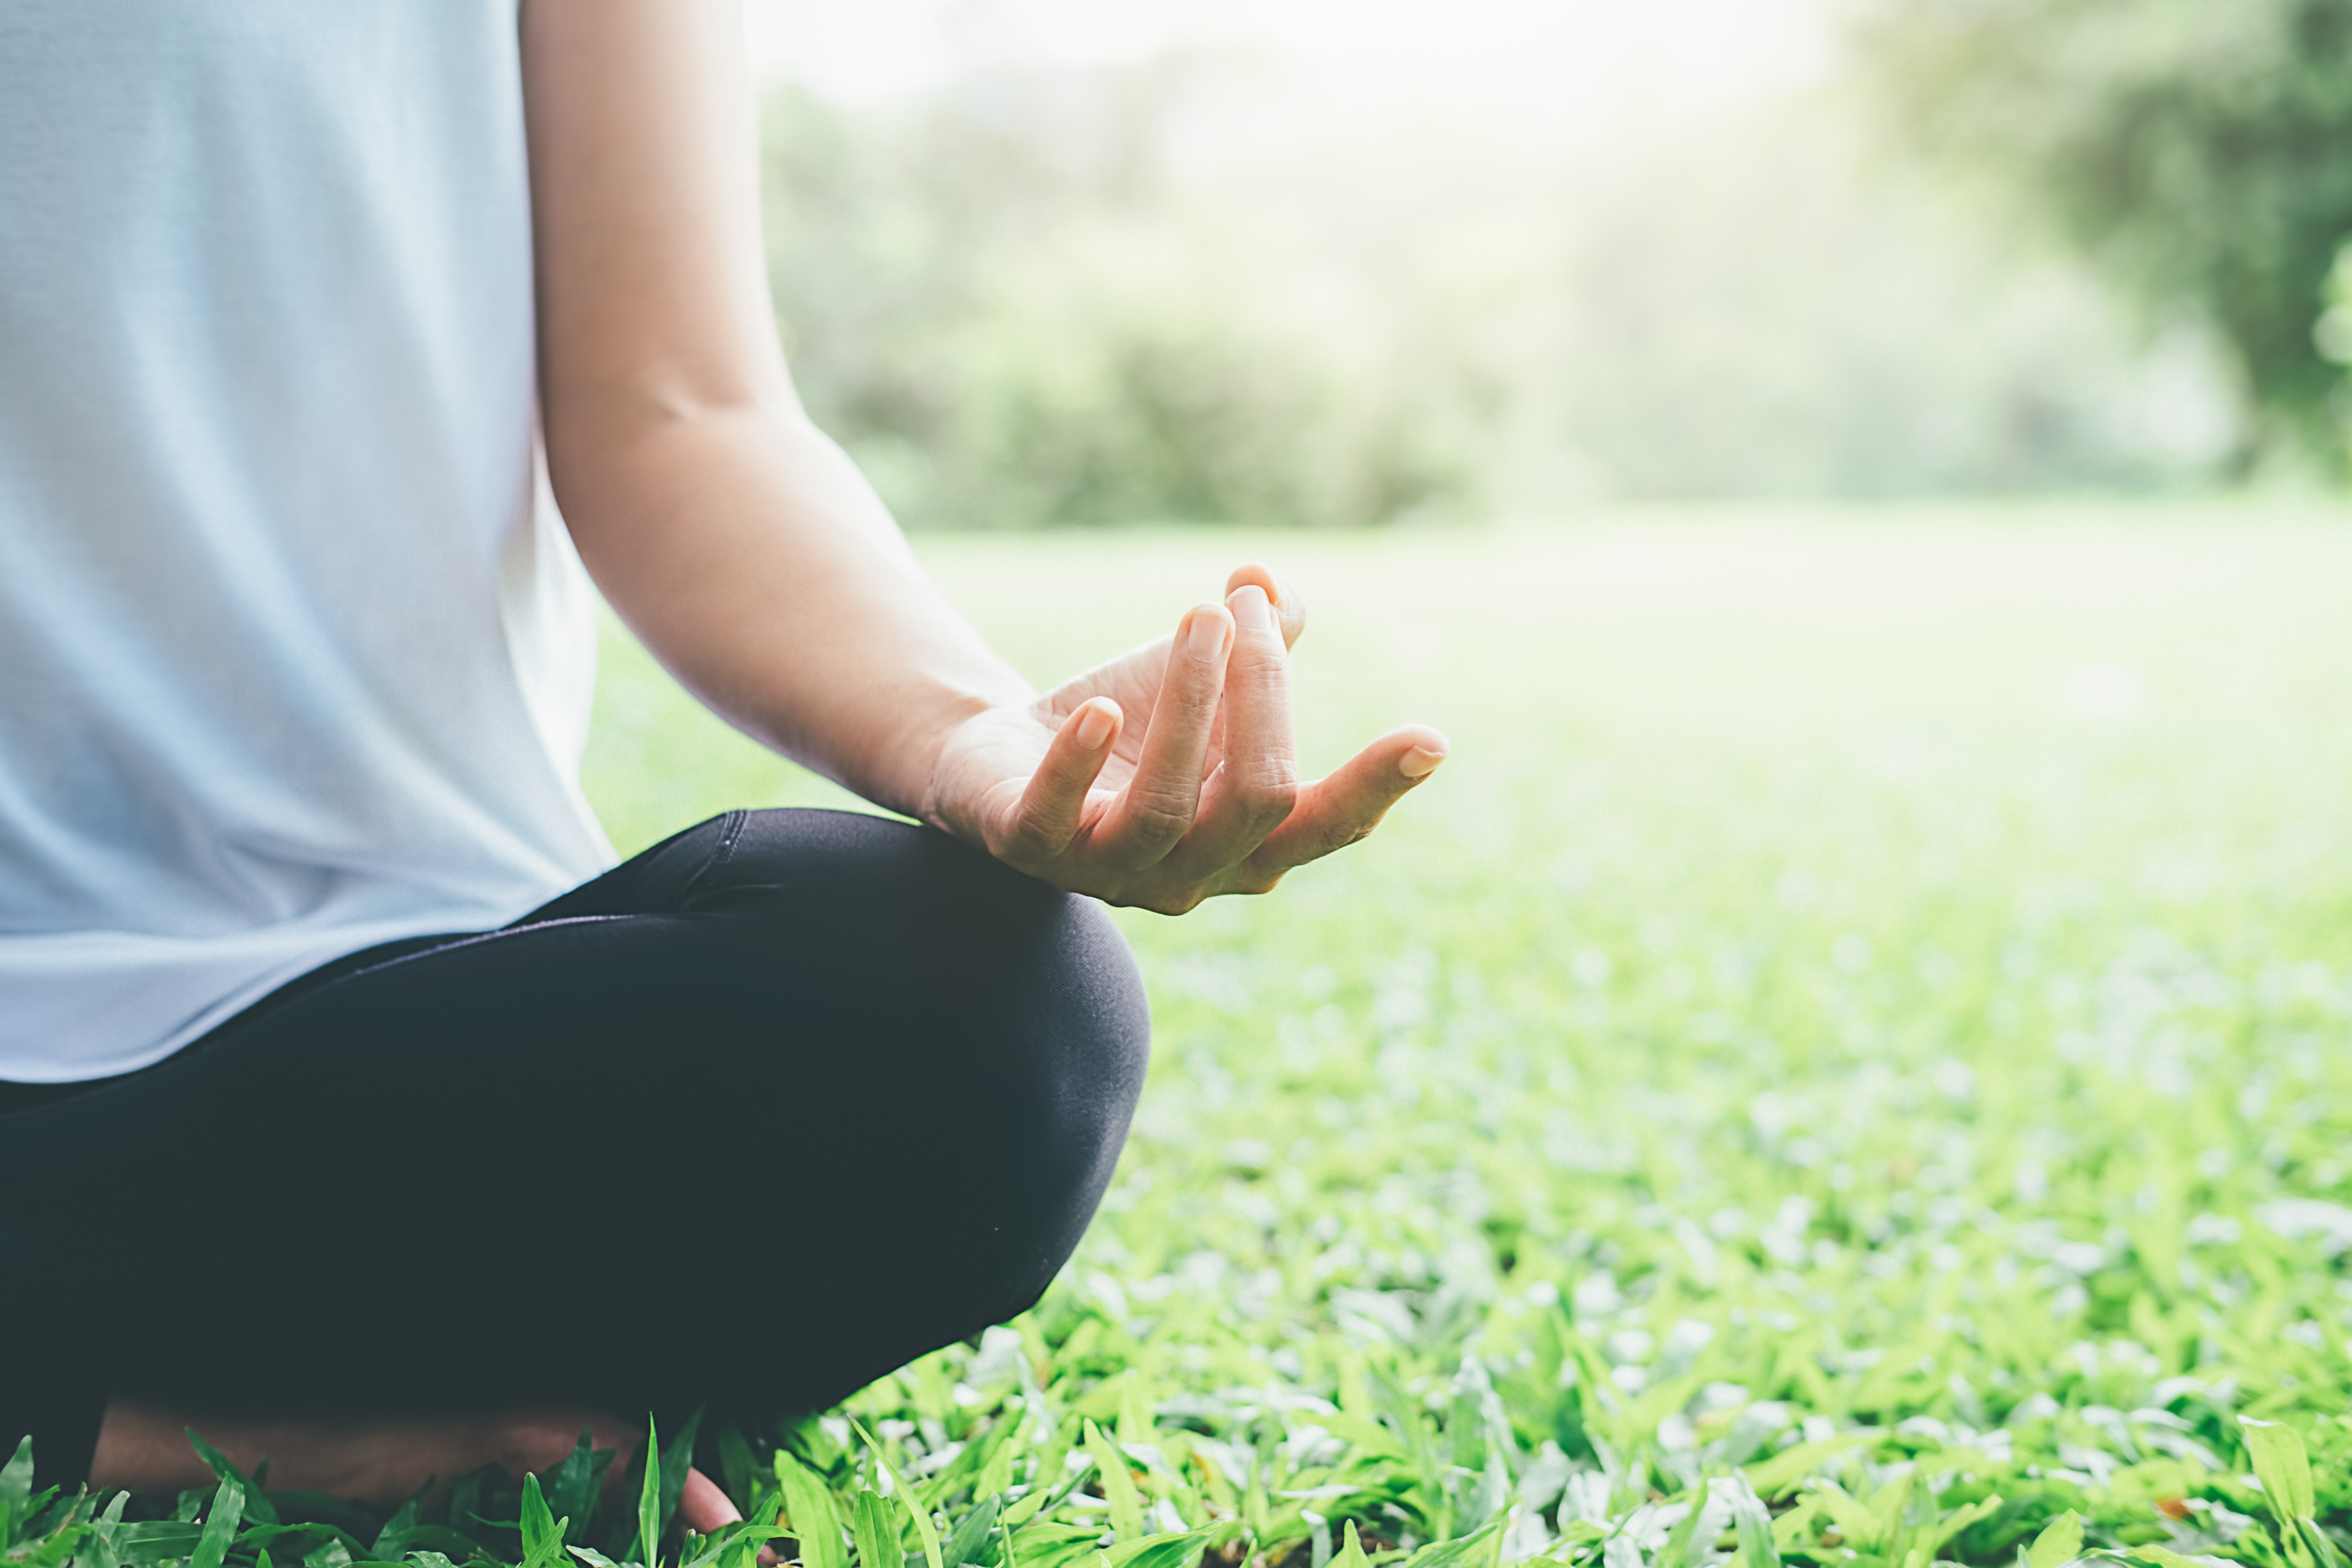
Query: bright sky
[[1538, 65]]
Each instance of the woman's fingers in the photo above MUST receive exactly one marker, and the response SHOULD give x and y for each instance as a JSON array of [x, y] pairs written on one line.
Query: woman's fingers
[[1289, 609], [1333, 812], [1156, 809], [1253, 791], [1224, 691], [1053, 801]]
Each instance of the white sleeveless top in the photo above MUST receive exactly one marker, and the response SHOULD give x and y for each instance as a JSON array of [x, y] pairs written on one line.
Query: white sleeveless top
[[294, 657]]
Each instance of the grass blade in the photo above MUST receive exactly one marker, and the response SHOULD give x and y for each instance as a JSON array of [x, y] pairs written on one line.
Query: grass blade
[[649, 1498], [1753, 1523], [877, 1532], [676, 1462], [17, 1483], [2282, 1466], [1676, 1552], [1119, 1487], [2060, 1542], [542, 1532], [257, 1506], [968, 1543], [808, 1506], [925, 1531], [220, 1527], [1175, 1550], [572, 1485]]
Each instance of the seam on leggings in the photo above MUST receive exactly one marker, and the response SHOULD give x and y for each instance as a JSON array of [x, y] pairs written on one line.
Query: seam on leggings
[[727, 836], [476, 942]]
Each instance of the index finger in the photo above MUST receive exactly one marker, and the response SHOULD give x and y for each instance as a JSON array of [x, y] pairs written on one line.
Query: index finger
[[1053, 805], [1336, 811]]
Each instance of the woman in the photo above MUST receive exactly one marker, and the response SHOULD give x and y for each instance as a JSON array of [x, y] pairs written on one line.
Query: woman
[[351, 1110]]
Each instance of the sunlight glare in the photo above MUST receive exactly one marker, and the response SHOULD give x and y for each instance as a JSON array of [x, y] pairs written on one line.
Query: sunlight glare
[[1531, 65]]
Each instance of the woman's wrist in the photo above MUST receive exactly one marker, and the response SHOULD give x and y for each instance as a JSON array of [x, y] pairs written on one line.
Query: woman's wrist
[[895, 751], [952, 775]]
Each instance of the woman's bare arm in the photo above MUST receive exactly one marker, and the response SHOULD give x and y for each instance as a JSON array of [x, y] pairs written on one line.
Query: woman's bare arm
[[754, 560], [731, 533]]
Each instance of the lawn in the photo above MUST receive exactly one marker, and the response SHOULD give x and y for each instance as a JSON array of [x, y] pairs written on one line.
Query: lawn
[[1853, 1040]]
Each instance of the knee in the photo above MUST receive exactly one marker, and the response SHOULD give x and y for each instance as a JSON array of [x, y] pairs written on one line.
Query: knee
[[1003, 1018], [1066, 1066], [1036, 981], [1073, 1046], [976, 1045], [1091, 1025]]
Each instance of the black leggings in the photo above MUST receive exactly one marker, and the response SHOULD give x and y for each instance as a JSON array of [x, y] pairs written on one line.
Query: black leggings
[[747, 1122]]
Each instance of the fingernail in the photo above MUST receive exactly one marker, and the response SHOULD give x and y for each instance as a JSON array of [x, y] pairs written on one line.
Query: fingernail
[[1251, 611], [1207, 637], [1420, 763], [1094, 727]]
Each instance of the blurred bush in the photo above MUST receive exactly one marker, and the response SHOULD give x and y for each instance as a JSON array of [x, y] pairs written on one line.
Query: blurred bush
[[1006, 307], [1164, 291], [2199, 152]]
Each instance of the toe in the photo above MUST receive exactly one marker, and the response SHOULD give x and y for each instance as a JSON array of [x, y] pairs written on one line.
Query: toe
[[702, 1508]]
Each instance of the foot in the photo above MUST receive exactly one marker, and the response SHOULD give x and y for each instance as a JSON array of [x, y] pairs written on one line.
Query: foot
[[144, 1447]]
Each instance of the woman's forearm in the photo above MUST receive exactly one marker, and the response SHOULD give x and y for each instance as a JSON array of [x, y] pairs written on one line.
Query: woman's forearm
[[731, 534], [760, 568], [751, 556]]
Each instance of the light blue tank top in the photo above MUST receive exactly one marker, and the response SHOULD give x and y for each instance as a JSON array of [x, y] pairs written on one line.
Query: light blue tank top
[[294, 656]]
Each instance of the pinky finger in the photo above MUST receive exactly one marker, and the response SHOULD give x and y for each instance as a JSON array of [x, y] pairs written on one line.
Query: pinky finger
[[1053, 805]]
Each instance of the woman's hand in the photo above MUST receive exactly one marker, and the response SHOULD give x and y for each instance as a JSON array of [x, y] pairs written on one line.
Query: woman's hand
[[746, 549], [1167, 775]]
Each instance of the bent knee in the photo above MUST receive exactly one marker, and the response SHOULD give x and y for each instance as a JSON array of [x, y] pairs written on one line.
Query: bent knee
[[1071, 1057], [1092, 1020], [1065, 1075], [1045, 972], [1003, 1018]]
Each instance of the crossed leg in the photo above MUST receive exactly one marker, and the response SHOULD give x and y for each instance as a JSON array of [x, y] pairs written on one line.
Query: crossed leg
[[422, 1211]]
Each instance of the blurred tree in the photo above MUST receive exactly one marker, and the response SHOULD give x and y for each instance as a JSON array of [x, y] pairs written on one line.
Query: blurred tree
[[995, 301], [1162, 290], [2197, 152]]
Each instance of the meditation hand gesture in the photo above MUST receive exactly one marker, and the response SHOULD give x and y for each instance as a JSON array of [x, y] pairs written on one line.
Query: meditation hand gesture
[[1168, 775]]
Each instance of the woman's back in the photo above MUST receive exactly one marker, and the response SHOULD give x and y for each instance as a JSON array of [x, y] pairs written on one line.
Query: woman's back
[[291, 661]]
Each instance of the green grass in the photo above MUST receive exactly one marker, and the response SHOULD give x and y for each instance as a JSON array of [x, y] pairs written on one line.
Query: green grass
[[1864, 1009]]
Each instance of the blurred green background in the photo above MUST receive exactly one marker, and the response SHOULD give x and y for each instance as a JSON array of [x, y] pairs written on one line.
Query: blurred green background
[[1045, 264], [1865, 998], [1858, 483]]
